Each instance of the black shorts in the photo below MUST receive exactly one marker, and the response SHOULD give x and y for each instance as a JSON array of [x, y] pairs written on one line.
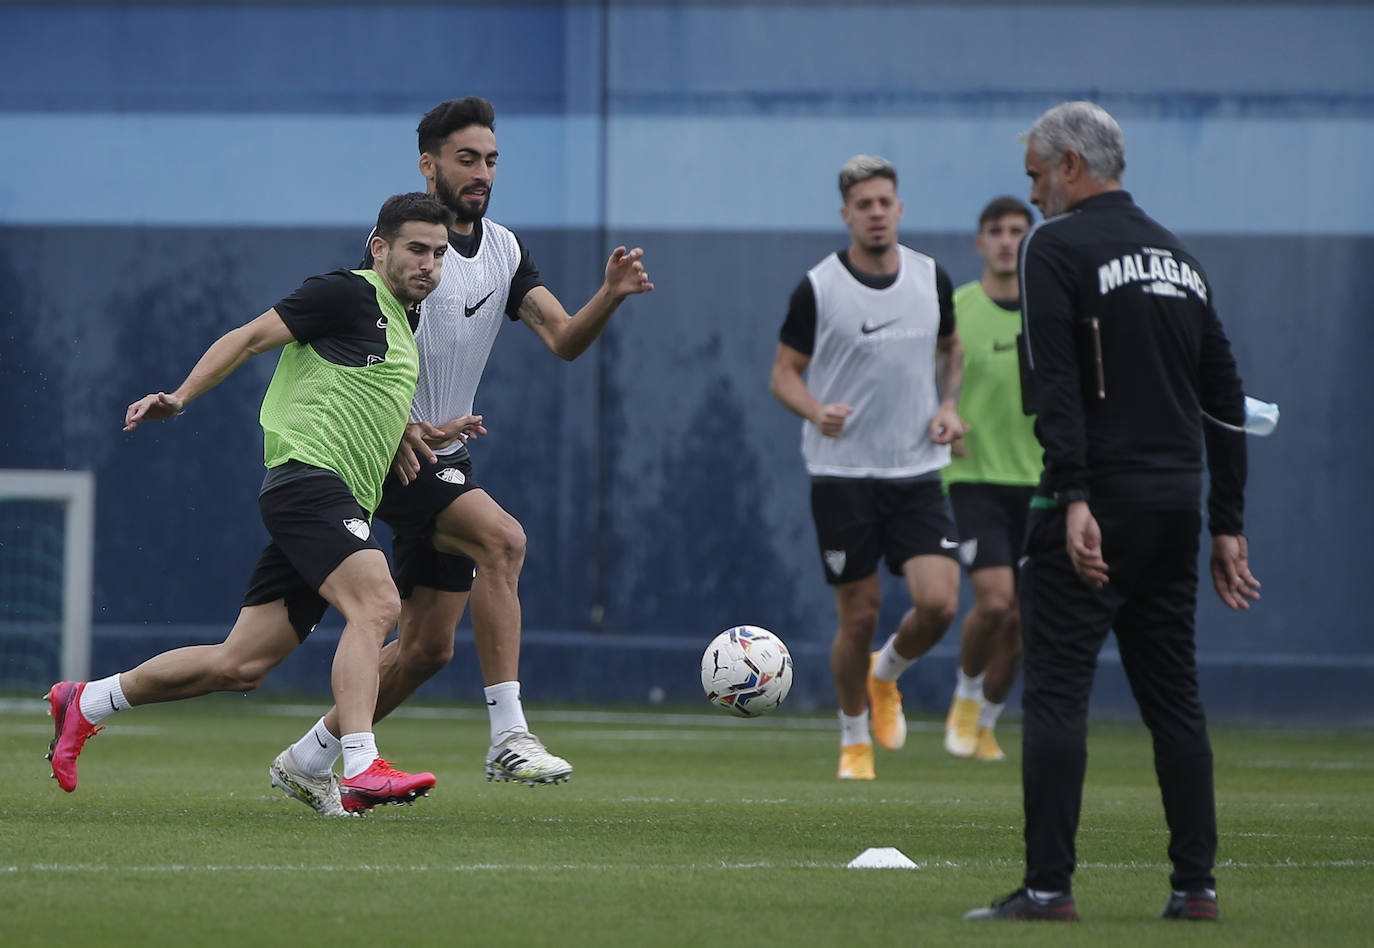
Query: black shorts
[[859, 519], [410, 509], [992, 523], [315, 524]]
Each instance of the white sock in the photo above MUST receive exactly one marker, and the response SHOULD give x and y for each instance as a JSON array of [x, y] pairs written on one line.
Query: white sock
[[103, 698], [969, 689], [316, 752], [854, 729], [989, 713], [889, 664], [359, 751], [504, 709]]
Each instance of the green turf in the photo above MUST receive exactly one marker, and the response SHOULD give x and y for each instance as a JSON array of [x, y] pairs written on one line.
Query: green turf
[[685, 829]]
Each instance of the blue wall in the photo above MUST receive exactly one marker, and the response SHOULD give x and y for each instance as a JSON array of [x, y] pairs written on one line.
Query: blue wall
[[169, 171]]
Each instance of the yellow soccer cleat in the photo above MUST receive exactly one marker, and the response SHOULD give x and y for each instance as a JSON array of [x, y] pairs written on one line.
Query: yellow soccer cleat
[[961, 728], [856, 762], [885, 702], [988, 748]]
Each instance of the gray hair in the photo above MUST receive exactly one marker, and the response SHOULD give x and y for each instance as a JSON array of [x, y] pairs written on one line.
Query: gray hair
[[1086, 128], [861, 168]]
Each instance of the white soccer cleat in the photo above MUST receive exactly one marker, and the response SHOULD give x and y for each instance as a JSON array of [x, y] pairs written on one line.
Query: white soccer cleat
[[522, 757], [321, 794]]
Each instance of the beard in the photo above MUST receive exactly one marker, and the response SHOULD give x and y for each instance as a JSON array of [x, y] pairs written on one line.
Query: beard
[[397, 281], [452, 200], [1055, 201]]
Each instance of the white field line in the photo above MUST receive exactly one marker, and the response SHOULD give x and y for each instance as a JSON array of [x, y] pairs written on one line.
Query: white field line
[[45, 730], [603, 736], [938, 864], [804, 721], [667, 724], [1330, 837], [1309, 764], [627, 718]]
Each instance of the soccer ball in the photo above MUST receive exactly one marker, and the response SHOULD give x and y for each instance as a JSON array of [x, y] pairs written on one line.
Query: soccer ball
[[747, 671]]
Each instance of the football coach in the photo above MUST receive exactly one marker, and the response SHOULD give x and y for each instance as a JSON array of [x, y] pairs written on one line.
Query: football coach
[[1124, 354]]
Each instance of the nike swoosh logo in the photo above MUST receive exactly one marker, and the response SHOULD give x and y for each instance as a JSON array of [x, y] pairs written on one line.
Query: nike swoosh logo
[[490, 702], [947, 544], [998, 347], [469, 310], [318, 741], [381, 323], [866, 328]]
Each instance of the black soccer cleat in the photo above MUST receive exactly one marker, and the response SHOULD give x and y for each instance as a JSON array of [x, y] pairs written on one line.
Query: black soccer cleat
[[1021, 906], [1200, 905]]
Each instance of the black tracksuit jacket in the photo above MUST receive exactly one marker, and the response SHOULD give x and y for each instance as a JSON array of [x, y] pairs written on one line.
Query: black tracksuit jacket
[[1124, 352]]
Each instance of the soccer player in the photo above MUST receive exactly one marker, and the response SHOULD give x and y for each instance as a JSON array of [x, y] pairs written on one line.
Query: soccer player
[[869, 358], [990, 480], [1126, 353], [451, 537], [332, 418]]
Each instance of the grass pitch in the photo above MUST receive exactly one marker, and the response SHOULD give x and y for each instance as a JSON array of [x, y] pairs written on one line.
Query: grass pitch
[[677, 829]]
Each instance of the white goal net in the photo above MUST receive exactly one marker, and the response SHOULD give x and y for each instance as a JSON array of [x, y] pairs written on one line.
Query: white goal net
[[47, 533]]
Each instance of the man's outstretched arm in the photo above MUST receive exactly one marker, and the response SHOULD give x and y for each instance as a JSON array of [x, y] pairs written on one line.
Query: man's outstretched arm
[[225, 354], [569, 336]]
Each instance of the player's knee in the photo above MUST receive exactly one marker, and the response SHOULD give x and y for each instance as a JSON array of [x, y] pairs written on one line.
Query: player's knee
[[377, 610], [428, 656], [998, 608], [384, 613], [503, 549], [859, 624], [938, 611], [243, 673]]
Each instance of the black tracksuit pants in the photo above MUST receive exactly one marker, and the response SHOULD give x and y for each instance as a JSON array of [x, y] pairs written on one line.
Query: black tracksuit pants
[[1150, 603]]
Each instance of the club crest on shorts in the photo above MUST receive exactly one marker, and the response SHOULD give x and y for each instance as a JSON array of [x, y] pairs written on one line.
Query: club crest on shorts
[[834, 561], [452, 475], [358, 528], [968, 551]]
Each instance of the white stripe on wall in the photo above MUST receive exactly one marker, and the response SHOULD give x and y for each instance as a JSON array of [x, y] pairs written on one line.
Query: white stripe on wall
[[1218, 176]]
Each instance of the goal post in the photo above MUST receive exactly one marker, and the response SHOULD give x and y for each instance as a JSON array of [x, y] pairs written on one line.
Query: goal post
[[75, 492]]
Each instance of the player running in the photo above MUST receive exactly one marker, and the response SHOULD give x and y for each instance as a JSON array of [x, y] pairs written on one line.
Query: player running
[[332, 417], [452, 539]]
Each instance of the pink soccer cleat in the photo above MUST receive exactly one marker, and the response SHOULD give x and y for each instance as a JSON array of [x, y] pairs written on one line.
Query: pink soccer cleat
[[71, 730], [382, 783]]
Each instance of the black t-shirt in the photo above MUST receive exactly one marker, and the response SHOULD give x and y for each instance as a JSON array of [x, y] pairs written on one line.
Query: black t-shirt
[[337, 315]]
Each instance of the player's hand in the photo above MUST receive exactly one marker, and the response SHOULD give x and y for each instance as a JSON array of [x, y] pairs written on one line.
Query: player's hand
[[1230, 562], [947, 427], [959, 447], [831, 420], [406, 464], [151, 408], [625, 273], [1083, 537], [461, 429]]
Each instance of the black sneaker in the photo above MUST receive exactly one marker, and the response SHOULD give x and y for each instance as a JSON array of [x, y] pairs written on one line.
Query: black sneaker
[[1200, 905], [1021, 906]]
